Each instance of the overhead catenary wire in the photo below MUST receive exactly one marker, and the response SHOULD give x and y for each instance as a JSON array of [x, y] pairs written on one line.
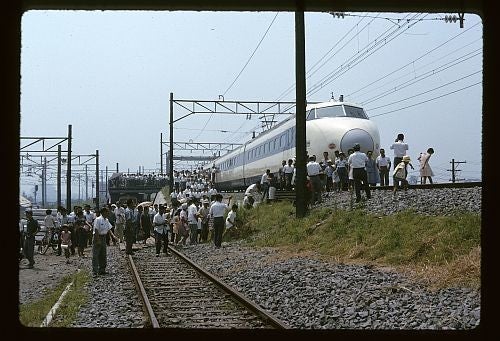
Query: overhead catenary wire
[[426, 101], [425, 92], [415, 60], [253, 53], [241, 71]]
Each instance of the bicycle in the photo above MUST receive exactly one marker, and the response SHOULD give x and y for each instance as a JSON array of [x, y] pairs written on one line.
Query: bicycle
[[49, 239]]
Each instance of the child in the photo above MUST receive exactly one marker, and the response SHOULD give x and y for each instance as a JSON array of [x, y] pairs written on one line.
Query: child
[[66, 241], [400, 173]]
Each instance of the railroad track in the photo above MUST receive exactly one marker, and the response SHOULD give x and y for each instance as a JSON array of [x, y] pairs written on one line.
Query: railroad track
[[177, 293]]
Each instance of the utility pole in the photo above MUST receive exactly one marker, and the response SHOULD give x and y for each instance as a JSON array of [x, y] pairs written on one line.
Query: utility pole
[[68, 171], [86, 184], [58, 175], [453, 169]]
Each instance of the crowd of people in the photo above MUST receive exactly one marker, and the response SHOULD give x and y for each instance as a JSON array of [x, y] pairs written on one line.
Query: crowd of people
[[197, 213], [356, 171], [188, 220]]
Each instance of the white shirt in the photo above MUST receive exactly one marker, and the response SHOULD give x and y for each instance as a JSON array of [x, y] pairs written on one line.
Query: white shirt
[[263, 179], [252, 190], [313, 168], [230, 219], [288, 169], [160, 219], [218, 209], [192, 211], [383, 161], [357, 159], [50, 221], [399, 148], [101, 225]]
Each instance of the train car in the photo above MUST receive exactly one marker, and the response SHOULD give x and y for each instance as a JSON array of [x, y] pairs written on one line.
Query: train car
[[330, 126]]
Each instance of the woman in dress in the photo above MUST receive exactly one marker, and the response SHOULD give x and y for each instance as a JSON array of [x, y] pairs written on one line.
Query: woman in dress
[[371, 170], [425, 168]]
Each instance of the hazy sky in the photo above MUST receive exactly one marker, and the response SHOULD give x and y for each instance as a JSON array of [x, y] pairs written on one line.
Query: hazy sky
[[109, 74]]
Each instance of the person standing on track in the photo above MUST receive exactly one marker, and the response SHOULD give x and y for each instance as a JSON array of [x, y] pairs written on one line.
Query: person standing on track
[[357, 162], [160, 222], [217, 211], [120, 221], [130, 225], [383, 164], [425, 169], [400, 148], [100, 230]]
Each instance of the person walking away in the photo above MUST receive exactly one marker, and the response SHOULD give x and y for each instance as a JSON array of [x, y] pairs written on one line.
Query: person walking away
[[66, 241], [130, 224], [112, 221], [400, 173], [101, 228], [146, 224], [160, 226], [313, 171], [371, 170], [400, 148], [425, 169], [120, 222], [33, 228], [217, 211], [357, 161], [383, 164]]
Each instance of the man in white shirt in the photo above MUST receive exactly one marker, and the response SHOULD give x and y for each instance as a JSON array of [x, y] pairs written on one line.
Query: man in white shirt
[[161, 228], [217, 211], [383, 165], [313, 171], [400, 148], [264, 183], [288, 173], [357, 161], [101, 228], [250, 194], [192, 217]]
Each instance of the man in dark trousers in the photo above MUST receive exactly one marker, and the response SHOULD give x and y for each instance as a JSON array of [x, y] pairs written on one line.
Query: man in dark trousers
[[29, 239], [357, 161], [130, 226]]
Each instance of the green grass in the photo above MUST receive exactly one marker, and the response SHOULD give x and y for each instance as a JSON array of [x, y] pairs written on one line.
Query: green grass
[[403, 239], [33, 314]]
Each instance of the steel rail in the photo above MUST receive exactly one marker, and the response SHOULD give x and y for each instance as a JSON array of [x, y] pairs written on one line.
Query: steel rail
[[268, 317], [142, 292]]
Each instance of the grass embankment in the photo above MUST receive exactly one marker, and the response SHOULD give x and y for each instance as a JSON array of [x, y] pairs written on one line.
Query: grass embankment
[[33, 314], [441, 250]]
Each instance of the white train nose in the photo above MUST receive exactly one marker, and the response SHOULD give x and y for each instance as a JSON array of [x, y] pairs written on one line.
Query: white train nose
[[357, 135]]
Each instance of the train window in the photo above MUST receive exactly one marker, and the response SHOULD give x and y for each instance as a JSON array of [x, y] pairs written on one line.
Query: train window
[[310, 115], [335, 111], [355, 112]]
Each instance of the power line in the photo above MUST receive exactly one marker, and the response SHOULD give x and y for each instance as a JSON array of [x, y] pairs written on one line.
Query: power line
[[429, 100], [248, 61], [422, 93], [412, 62]]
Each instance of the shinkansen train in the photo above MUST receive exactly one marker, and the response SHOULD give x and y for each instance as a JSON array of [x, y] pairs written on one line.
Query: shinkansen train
[[330, 126]]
